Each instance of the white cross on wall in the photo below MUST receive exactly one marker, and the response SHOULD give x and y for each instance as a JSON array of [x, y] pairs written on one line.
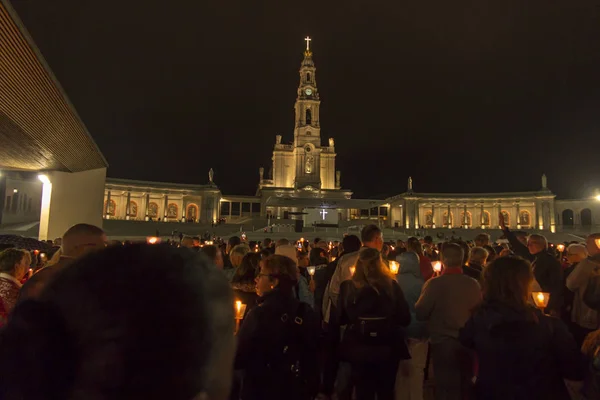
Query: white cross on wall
[[323, 214], [308, 39]]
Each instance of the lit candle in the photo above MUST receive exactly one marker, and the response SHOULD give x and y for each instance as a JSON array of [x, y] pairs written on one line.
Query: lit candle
[[560, 247], [540, 297], [238, 308], [437, 266], [352, 269], [152, 240], [311, 270], [394, 267]]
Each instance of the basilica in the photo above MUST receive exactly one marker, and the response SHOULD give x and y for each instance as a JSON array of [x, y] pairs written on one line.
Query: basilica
[[303, 184]]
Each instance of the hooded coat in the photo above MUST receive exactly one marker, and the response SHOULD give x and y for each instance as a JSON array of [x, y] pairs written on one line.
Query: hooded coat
[[523, 354], [411, 282]]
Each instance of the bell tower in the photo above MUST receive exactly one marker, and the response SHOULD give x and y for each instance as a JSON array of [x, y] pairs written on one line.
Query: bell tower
[[307, 132], [308, 129]]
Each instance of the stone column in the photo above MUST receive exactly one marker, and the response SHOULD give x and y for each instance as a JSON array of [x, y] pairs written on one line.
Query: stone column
[[107, 206], [449, 224], [165, 208], [128, 206], [518, 216], [241, 209], [498, 212], [417, 215], [147, 218], [433, 216], [552, 217], [465, 217], [481, 219]]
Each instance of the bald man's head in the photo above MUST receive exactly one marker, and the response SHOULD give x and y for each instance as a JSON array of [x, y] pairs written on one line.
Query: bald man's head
[[81, 239]]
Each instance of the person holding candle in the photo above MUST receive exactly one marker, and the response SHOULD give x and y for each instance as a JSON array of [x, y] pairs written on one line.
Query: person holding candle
[[14, 265], [547, 272], [243, 281], [522, 353], [413, 244], [585, 319], [446, 303], [411, 372], [373, 308], [277, 344]]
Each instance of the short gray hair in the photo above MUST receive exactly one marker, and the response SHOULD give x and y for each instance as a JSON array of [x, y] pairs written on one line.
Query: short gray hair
[[539, 239], [578, 249]]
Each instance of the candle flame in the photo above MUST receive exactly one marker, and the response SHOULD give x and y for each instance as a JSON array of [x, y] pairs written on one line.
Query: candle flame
[[238, 306], [437, 266], [394, 267], [540, 297], [352, 269]]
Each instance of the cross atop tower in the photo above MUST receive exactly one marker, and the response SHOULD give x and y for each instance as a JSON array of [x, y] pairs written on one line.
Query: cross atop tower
[[308, 40]]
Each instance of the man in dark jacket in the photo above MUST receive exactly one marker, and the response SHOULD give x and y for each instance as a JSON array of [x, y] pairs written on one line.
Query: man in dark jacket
[[547, 271]]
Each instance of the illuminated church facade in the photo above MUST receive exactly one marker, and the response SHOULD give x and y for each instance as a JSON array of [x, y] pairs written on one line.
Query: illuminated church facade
[[302, 183]]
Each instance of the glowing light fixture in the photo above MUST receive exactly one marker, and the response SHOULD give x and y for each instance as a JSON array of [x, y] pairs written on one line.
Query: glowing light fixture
[[44, 179]]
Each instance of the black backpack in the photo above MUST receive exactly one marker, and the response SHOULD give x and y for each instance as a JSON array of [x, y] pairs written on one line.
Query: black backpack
[[284, 359]]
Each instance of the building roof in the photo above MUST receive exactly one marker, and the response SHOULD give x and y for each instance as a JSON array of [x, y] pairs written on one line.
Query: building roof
[[125, 184], [39, 127], [473, 196], [274, 201]]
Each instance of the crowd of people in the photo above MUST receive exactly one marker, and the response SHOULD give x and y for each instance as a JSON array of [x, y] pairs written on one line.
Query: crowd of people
[[359, 318]]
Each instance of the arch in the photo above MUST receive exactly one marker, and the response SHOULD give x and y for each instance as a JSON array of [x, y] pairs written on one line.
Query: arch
[[153, 210], [568, 217], [133, 209], [172, 210], [447, 223], [506, 216], [586, 217], [111, 209], [469, 218], [429, 219], [308, 116], [308, 77], [486, 218], [525, 219], [191, 214]]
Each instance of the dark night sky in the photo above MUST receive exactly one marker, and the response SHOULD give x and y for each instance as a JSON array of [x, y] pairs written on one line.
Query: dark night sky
[[464, 96]]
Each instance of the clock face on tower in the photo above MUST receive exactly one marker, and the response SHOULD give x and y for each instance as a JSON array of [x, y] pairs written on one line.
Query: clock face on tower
[[308, 91]]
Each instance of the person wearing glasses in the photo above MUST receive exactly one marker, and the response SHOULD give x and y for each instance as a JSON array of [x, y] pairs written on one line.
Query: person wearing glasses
[[277, 343]]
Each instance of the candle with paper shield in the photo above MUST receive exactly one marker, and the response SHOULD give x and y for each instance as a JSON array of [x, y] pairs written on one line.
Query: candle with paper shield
[[394, 267], [311, 270], [541, 299], [352, 269], [437, 266], [240, 310], [560, 247]]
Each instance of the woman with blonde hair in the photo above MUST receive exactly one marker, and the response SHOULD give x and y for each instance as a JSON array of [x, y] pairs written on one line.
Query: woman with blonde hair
[[372, 307]]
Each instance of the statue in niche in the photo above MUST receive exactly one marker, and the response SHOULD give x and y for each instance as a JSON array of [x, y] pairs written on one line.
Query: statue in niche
[[133, 209], [261, 173], [278, 139], [192, 212], [429, 219], [525, 218], [152, 210], [486, 218], [211, 175], [110, 207], [308, 166], [331, 142], [172, 210]]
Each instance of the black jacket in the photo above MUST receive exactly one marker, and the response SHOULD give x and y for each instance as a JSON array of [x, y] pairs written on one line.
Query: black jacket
[[354, 303], [474, 271], [322, 278], [522, 354], [517, 247], [263, 337], [549, 274]]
